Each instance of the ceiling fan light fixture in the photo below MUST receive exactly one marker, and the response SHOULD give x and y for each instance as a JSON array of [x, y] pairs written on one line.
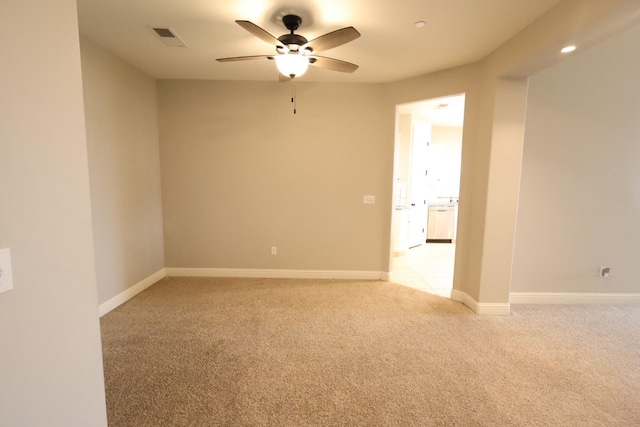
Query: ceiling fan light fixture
[[294, 52], [292, 65]]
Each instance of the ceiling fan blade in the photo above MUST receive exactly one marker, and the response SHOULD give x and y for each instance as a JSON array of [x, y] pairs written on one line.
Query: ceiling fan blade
[[244, 58], [259, 33], [333, 39], [332, 64]]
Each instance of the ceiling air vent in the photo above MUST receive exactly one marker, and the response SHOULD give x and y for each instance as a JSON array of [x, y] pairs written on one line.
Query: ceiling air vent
[[169, 37]]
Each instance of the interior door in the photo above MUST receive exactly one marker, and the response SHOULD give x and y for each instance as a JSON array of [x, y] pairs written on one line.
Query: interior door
[[418, 209]]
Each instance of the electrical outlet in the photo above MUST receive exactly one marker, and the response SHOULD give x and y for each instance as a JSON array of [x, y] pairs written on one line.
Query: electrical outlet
[[274, 250], [6, 277], [605, 271]]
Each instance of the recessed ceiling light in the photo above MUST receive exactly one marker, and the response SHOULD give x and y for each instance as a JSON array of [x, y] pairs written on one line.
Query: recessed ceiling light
[[568, 49], [420, 24]]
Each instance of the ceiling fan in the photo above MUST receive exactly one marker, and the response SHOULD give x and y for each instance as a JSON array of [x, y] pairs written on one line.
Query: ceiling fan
[[294, 53]]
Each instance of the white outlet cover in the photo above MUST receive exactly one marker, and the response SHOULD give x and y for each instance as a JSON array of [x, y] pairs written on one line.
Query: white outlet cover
[[6, 276]]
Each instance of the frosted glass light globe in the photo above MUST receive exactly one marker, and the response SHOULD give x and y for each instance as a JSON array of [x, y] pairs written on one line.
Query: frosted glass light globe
[[292, 65]]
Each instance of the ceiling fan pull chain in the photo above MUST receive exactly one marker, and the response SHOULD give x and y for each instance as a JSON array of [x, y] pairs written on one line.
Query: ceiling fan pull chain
[[294, 101]]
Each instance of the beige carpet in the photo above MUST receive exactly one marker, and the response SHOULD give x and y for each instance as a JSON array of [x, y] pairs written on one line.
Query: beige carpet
[[269, 352]]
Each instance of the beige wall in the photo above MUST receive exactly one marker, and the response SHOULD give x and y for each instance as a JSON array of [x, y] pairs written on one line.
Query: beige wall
[[124, 166], [504, 140], [580, 189], [242, 173], [50, 360]]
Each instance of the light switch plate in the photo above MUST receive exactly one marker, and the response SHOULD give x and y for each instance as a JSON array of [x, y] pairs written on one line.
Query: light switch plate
[[369, 200], [6, 277]]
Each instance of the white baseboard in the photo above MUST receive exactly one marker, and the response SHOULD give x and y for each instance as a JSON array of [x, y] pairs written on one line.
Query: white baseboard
[[386, 276], [573, 298], [481, 308], [273, 274], [134, 290]]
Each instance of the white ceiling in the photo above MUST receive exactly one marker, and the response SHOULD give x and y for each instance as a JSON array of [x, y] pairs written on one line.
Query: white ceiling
[[391, 48]]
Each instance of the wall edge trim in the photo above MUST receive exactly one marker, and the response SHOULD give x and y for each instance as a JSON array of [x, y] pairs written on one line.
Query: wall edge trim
[[573, 298], [131, 292], [273, 274], [481, 308]]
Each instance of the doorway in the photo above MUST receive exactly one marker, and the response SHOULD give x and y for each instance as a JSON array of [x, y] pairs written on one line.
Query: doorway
[[427, 161]]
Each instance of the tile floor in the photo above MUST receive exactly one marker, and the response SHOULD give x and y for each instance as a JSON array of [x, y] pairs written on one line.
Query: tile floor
[[428, 267]]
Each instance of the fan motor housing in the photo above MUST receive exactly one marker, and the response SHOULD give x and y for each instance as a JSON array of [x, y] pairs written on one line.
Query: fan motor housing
[[289, 39]]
